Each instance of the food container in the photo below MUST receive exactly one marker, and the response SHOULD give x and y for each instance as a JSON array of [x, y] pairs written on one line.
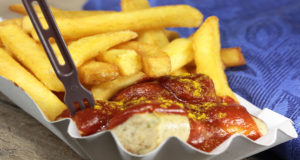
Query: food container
[[105, 145]]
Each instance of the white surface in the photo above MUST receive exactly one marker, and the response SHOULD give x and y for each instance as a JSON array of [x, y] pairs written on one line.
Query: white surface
[[105, 145]]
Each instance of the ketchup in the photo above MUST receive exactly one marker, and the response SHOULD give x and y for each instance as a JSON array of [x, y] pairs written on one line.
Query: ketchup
[[212, 119]]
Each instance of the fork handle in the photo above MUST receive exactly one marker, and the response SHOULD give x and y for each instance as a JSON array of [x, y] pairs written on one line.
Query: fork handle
[[67, 73], [62, 71]]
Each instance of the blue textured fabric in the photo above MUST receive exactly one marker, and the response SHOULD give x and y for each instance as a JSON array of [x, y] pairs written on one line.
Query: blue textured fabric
[[268, 31]]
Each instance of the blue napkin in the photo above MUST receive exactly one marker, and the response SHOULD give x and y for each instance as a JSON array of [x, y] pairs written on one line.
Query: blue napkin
[[268, 32]]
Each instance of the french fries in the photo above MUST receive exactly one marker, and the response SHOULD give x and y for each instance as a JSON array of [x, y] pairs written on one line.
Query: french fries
[[87, 48], [232, 57], [19, 8], [154, 37], [31, 55], [155, 62], [15, 21], [180, 71], [134, 5], [207, 48], [42, 96], [94, 73], [147, 19], [180, 52], [171, 35], [113, 50], [128, 61], [106, 90]]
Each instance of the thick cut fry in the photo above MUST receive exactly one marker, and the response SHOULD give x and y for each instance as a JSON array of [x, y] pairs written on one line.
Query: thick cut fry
[[133, 5], [232, 57], [152, 18], [180, 52], [155, 62], [154, 37], [20, 9], [106, 90], [171, 35], [128, 61], [15, 21], [94, 73], [207, 47], [180, 71], [31, 55], [1, 43], [50, 105], [87, 48]]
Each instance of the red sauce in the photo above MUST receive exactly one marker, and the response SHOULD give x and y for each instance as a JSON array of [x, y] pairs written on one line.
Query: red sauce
[[212, 119], [222, 122], [143, 108]]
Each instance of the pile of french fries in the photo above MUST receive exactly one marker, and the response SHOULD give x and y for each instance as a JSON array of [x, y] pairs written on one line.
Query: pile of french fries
[[113, 50]]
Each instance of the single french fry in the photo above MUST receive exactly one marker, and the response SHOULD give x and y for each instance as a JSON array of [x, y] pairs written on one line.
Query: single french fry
[[134, 5], [232, 57], [87, 48], [128, 61], [155, 62], [20, 9], [207, 48], [94, 73], [180, 52], [171, 35], [50, 105], [31, 55], [180, 71], [155, 37], [15, 21], [146, 19], [108, 89], [1, 44]]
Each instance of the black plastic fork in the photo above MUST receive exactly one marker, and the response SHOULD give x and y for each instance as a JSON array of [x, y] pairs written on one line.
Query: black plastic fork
[[75, 93]]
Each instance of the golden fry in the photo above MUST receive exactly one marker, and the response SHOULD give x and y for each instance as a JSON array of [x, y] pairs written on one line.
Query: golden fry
[[180, 71], [87, 48], [108, 89], [20, 9], [152, 18], [232, 57], [171, 35], [180, 52], [155, 62], [155, 37], [31, 55], [94, 73], [207, 47], [128, 61], [134, 5], [15, 21], [50, 105]]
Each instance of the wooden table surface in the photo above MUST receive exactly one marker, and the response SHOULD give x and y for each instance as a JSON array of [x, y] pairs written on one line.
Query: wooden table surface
[[24, 138]]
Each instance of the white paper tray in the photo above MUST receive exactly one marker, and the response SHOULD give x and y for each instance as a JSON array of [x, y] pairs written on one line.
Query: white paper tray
[[105, 145]]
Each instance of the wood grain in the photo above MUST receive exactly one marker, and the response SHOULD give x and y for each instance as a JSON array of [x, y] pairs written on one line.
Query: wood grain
[[24, 138]]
